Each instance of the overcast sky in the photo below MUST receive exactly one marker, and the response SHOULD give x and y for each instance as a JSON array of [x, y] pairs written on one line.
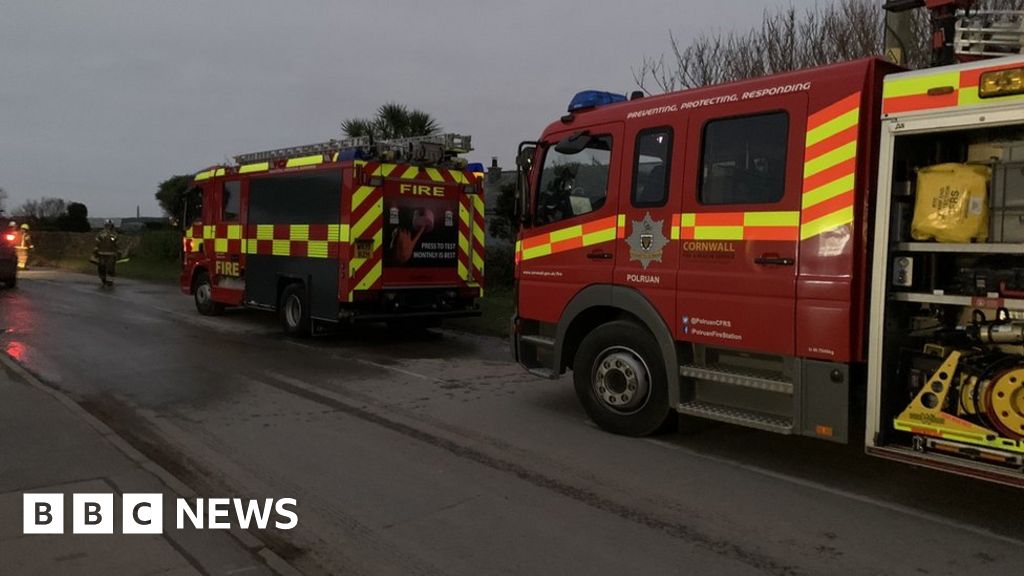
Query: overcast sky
[[100, 101]]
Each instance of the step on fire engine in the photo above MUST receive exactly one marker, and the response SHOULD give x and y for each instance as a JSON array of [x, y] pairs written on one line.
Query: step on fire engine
[[341, 231], [778, 253]]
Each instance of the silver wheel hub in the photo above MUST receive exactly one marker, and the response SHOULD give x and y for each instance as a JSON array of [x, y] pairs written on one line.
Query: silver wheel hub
[[621, 380]]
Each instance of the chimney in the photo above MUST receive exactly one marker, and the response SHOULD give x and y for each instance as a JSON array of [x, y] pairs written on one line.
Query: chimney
[[494, 172]]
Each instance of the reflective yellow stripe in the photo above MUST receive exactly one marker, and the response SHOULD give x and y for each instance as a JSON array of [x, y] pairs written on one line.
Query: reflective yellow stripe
[[827, 191], [718, 233], [688, 220], [970, 97], [566, 233], [463, 273], [478, 234], [459, 177], [536, 251], [606, 235], [464, 214], [316, 249], [337, 233], [220, 245], [833, 127], [463, 244], [298, 232], [209, 232], [219, 172], [830, 159], [410, 173], [304, 161], [826, 223], [435, 175], [234, 232], [205, 175], [917, 85], [478, 262], [250, 246], [258, 167], [264, 231], [771, 219], [281, 248], [478, 203]]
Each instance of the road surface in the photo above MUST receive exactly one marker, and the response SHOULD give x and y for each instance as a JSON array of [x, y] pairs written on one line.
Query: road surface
[[435, 454]]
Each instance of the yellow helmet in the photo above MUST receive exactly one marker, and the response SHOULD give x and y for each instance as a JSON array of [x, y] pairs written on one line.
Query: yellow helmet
[[24, 226]]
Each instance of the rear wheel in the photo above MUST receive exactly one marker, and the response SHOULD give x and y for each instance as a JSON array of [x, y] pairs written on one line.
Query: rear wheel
[[10, 282], [620, 379], [293, 310], [204, 296]]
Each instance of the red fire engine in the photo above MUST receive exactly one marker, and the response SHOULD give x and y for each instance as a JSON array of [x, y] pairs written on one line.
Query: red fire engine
[[781, 252], [349, 230]]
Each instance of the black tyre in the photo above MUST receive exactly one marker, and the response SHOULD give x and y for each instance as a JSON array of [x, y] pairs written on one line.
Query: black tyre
[[293, 309], [620, 379], [10, 282], [204, 296]]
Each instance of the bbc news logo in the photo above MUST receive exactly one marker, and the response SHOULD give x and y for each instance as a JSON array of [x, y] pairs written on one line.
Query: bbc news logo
[[144, 513]]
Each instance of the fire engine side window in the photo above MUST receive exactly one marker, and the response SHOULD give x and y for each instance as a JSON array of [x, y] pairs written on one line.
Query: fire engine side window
[[574, 184], [231, 200], [744, 159], [650, 167], [194, 206]]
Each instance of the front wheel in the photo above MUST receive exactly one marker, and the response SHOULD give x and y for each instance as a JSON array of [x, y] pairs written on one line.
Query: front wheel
[[204, 296], [294, 310], [620, 379]]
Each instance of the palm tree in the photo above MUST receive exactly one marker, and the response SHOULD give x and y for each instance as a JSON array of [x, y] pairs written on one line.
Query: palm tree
[[392, 120]]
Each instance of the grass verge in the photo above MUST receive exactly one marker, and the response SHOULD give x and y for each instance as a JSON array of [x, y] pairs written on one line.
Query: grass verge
[[162, 271], [496, 308]]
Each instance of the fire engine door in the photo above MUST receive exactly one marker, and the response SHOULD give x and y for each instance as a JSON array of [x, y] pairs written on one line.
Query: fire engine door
[[651, 184], [739, 228], [570, 243]]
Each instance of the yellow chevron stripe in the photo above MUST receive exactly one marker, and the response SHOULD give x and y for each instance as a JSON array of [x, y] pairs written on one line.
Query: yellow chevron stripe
[[459, 177], [478, 203], [361, 194], [463, 272], [833, 126], [371, 276], [828, 191], [478, 234], [478, 262], [410, 173], [376, 211], [463, 244], [464, 214], [384, 170], [826, 223], [830, 159], [435, 175], [356, 263]]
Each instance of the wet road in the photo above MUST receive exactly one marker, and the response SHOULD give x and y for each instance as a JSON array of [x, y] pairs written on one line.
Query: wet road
[[436, 455]]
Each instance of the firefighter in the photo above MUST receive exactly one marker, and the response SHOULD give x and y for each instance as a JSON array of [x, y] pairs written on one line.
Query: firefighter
[[24, 247], [106, 252]]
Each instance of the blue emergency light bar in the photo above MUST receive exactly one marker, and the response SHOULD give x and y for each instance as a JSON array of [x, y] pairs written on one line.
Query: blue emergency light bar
[[475, 167], [593, 99]]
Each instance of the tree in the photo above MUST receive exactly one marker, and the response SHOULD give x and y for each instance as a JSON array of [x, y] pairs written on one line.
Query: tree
[[75, 218], [170, 194], [392, 120], [503, 223], [788, 40], [43, 211]]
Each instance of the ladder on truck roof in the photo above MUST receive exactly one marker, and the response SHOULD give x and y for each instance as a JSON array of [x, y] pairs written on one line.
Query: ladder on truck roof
[[987, 33], [412, 147]]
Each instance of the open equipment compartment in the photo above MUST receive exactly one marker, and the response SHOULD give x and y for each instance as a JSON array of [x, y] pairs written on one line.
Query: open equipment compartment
[[946, 345]]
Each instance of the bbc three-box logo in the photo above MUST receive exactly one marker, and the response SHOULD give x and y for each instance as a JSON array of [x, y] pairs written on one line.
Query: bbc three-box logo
[[144, 513]]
